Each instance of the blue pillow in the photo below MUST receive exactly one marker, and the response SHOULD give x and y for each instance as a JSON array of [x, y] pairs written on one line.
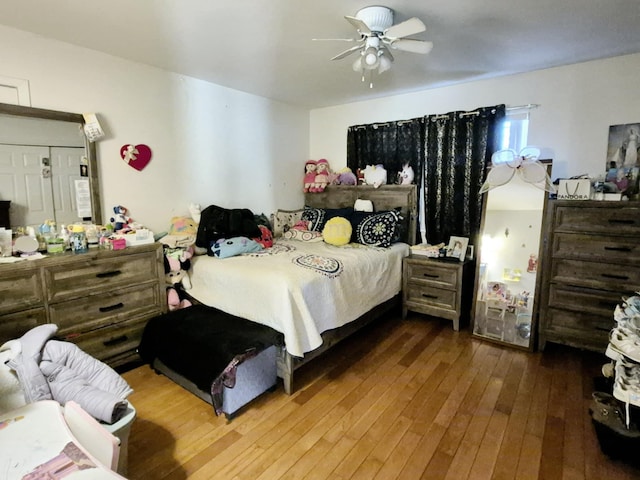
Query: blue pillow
[[230, 247]]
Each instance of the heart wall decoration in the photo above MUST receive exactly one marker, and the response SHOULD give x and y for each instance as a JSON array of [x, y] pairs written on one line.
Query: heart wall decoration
[[137, 156]]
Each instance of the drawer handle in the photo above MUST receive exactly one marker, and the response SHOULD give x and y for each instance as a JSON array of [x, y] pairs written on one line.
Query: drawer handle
[[622, 221], [618, 249], [430, 275], [115, 341], [616, 277], [113, 273], [426, 295], [603, 329], [111, 307]]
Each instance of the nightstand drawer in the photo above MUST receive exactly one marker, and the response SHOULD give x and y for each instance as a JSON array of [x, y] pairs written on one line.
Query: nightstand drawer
[[441, 276], [101, 274], [75, 317], [421, 295]]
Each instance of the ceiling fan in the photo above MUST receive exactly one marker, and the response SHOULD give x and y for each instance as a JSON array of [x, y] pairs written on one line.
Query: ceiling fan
[[378, 35]]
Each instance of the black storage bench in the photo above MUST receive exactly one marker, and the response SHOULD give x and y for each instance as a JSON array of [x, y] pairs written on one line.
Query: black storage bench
[[225, 360]]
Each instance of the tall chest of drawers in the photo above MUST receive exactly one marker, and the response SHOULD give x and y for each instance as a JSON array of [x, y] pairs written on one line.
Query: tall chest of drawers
[[100, 300], [592, 260]]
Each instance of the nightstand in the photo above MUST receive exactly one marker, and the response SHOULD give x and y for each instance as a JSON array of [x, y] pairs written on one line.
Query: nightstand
[[440, 288]]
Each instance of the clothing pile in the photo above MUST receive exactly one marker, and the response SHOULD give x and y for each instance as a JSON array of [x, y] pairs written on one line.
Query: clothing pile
[[49, 369]]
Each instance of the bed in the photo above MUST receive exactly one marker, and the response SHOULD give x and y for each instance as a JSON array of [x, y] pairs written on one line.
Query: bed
[[314, 293]]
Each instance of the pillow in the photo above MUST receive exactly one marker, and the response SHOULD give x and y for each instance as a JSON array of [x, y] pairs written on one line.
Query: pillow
[[319, 216], [230, 247], [303, 235], [283, 220], [363, 205], [337, 231], [376, 229], [183, 226]]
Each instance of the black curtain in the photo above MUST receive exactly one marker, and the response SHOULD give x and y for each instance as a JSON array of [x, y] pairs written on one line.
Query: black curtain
[[457, 152], [390, 144]]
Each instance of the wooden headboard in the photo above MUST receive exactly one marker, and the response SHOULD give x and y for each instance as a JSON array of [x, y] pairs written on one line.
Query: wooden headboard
[[385, 197]]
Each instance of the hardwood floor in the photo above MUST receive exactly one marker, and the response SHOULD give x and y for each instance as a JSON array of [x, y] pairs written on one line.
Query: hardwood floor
[[405, 399]]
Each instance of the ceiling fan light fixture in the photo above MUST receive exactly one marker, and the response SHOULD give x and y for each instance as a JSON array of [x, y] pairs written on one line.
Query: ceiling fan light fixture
[[385, 64], [371, 58]]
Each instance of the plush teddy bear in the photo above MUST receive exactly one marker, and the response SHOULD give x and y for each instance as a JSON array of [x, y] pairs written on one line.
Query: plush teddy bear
[[347, 177], [375, 175], [177, 262], [120, 220]]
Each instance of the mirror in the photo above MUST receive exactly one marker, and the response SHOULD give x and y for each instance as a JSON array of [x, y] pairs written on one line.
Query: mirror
[[48, 168], [504, 307]]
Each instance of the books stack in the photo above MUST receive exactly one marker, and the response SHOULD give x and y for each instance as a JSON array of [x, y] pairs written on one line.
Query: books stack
[[427, 250]]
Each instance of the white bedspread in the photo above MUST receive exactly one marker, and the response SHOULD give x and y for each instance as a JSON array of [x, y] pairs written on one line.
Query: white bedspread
[[303, 290]]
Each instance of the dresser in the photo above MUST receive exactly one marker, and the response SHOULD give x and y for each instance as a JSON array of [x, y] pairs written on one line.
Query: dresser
[[100, 300], [440, 288], [592, 260]]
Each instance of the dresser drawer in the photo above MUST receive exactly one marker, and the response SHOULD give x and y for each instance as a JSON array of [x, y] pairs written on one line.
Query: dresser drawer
[[75, 317], [111, 342], [601, 248], [612, 277], [440, 276], [20, 288], [579, 328], [621, 218], [596, 302], [14, 325], [99, 274]]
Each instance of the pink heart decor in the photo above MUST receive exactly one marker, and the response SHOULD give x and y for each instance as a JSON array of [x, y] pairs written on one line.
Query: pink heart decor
[[137, 156]]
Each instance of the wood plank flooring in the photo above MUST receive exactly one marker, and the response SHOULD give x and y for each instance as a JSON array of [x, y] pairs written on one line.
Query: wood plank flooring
[[405, 399]]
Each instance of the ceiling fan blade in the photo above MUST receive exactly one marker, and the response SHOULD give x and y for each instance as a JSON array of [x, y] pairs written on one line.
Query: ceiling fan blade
[[335, 39], [413, 46], [349, 51], [404, 29], [359, 25]]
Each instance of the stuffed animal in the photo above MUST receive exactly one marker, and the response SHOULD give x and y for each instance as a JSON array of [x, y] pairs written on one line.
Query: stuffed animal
[[177, 262], [347, 177], [375, 175], [309, 174], [120, 220], [322, 176], [406, 175]]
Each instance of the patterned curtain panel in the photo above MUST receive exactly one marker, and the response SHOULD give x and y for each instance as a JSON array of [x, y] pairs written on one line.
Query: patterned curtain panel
[[458, 149], [390, 144]]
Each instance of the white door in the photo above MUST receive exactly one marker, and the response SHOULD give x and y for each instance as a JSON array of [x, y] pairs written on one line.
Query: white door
[[24, 181], [65, 170]]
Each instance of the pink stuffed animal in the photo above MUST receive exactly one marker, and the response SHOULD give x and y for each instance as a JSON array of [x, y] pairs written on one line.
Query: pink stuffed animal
[[322, 176], [309, 174]]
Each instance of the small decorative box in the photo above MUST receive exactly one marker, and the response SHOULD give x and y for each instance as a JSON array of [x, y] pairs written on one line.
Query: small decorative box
[[118, 243]]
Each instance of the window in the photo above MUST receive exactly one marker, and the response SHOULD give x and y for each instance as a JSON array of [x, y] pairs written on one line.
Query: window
[[515, 129]]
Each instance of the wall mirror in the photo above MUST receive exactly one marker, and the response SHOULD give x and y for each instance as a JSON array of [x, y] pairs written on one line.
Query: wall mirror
[[507, 278], [48, 168]]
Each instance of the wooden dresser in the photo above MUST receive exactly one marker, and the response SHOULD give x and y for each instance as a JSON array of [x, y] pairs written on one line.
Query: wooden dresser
[[592, 260], [100, 300], [439, 288]]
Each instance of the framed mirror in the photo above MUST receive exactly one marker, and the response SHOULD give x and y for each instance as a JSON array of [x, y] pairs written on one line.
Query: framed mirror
[[507, 277], [48, 168]]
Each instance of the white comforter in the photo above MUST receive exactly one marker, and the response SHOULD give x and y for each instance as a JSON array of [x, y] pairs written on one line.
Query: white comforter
[[300, 289]]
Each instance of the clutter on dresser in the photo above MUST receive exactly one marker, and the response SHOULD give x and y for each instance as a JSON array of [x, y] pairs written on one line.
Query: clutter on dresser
[[427, 250]]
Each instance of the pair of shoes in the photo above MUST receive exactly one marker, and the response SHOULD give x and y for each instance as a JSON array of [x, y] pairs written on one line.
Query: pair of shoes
[[625, 342], [605, 409], [627, 318]]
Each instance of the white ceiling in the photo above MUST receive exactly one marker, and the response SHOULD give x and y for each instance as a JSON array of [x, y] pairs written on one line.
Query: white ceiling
[[264, 47]]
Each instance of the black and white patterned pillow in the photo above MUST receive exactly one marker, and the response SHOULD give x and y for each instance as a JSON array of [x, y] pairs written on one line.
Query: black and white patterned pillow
[[283, 220], [315, 217], [378, 229]]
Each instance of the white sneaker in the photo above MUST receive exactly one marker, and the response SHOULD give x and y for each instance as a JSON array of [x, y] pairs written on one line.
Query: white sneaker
[[629, 394], [624, 342]]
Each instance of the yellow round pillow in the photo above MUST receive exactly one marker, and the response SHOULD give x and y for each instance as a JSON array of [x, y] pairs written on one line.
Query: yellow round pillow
[[337, 231]]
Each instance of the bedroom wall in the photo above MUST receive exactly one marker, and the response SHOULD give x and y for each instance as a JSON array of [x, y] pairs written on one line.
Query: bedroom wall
[[210, 144], [578, 103]]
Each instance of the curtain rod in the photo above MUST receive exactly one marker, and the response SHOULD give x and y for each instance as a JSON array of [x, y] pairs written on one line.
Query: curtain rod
[[528, 106]]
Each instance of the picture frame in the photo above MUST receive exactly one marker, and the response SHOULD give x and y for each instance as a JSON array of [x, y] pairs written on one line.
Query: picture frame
[[457, 248]]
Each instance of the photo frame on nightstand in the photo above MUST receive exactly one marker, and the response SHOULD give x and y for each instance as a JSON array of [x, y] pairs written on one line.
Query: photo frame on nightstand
[[457, 248]]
